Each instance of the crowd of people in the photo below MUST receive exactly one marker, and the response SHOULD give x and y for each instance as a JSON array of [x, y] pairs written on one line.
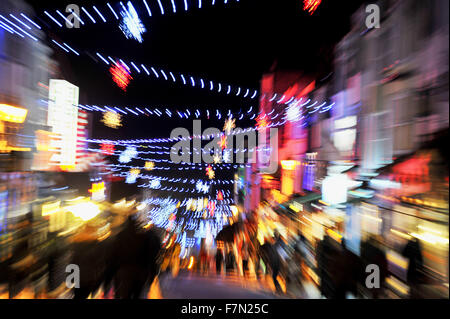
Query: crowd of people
[[340, 271], [125, 265]]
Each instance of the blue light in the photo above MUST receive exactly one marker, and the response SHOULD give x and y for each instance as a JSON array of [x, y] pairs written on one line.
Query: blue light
[[71, 48], [131, 111], [192, 81], [145, 69], [239, 91], [62, 16], [173, 78], [131, 25], [154, 71], [98, 12], [18, 27], [60, 46], [199, 4], [173, 6], [148, 8], [128, 68], [79, 19], [161, 7], [104, 60], [4, 26], [31, 21], [134, 65], [164, 74], [54, 20], [20, 21], [90, 17], [185, 5], [109, 6], [184, 80]]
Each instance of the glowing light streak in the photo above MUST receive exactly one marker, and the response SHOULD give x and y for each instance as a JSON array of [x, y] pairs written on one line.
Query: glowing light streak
[[71, 48], [31, 21], [154, 71], [174, 9], [60, 46], [112, 10], [101, 57], [54, 20], [87, 13], [164, 74], [161, 7], [20, 21], [98, 12]]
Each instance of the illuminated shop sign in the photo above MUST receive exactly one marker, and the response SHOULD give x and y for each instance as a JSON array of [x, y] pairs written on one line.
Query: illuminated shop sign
[[63, 118]]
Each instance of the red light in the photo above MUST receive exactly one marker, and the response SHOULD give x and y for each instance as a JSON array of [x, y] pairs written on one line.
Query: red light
[[311, 5], [121, 75], [262, 121], [107, 148]]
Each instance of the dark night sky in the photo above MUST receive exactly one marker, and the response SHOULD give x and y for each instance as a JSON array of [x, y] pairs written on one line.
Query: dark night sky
[[234, 43]]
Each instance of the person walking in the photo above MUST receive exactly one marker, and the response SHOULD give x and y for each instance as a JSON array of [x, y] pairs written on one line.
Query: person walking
[[219, 261], [273, 260], [413, 251], [134, 260]]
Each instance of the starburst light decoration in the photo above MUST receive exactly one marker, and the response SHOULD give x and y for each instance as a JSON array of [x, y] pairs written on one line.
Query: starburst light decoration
[[112, 120]]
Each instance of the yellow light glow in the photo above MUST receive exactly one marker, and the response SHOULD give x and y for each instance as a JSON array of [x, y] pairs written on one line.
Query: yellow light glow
[[67, 167], [112, 120], [397, 285], [84, 210], [393, 258], [431, 239], [337, 237], [401, 234], [14, 114], [148, 225], [234, 210], [191, 262], [288, 165], [141, 206], [97, 187], [50, 208], [149, 166], [296, 207], [324, 203]]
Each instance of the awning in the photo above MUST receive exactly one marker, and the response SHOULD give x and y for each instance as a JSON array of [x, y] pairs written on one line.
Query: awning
[[297, 204]]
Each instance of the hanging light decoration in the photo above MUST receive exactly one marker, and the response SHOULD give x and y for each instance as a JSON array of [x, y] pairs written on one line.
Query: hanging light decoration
[[149, 166], [121, 75], [293, 112], [217, 159], [223, 142], [131, 25], [311, 5], [262, 121], [210, 172], [112, 119], [128, 154], [107, 148], [229, 125]]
